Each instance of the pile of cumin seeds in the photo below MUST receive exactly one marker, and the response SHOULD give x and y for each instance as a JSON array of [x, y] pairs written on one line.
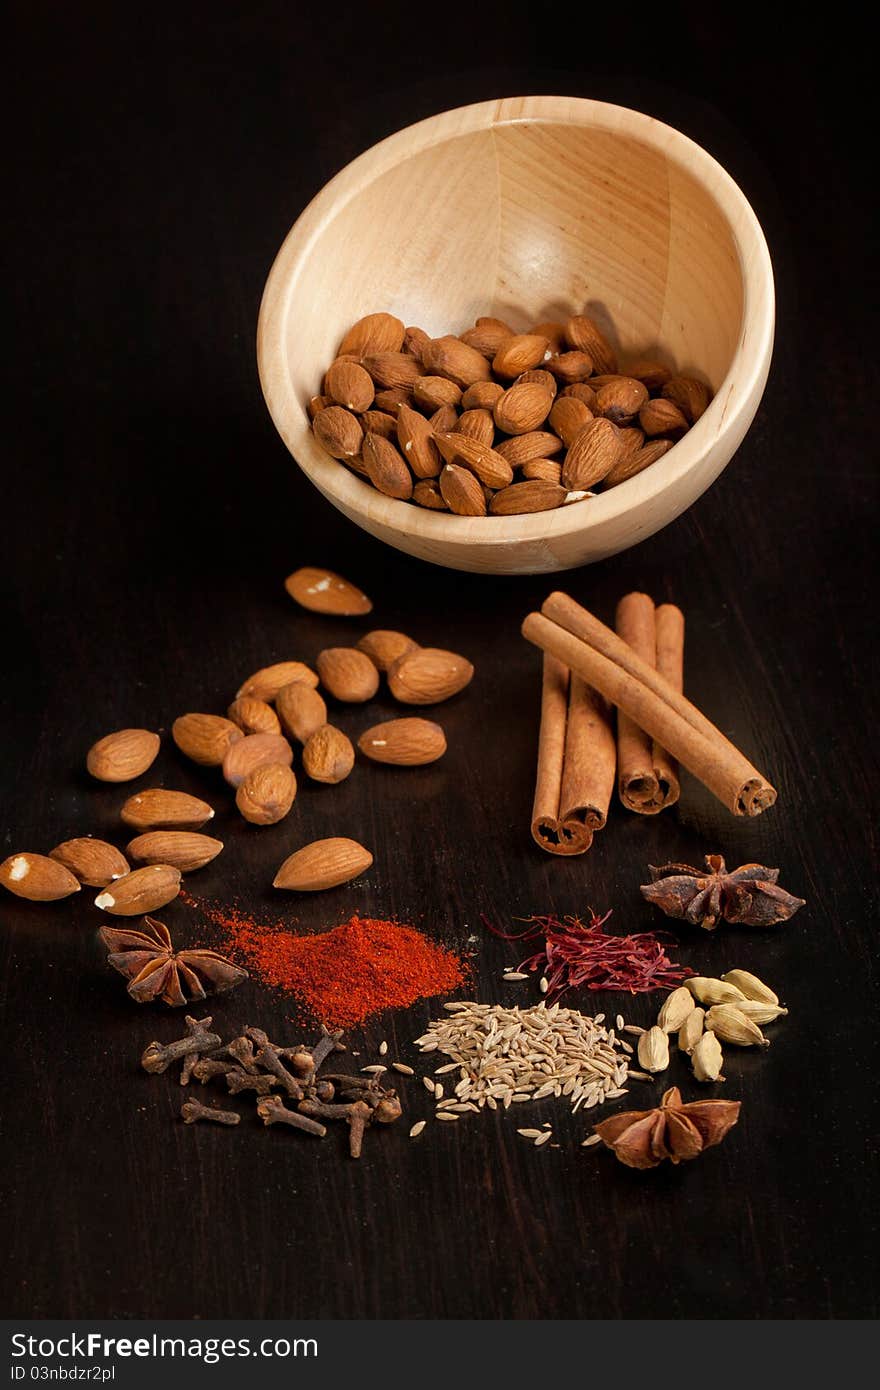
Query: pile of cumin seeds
[[500, 1057]]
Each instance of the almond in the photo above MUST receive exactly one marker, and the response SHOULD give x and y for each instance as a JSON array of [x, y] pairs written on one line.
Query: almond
[[462, 491], [386, 468], [417, 444], [519, 354], [593, 453], [652, 374], [478, 425], [254, 716], [143, 890], [317, 404], [338, 431], [585, 335], [158, 809], [37, 878], [530, 496], [581, 391], [348, 674], [430, 392], [323, 864], [631, 464], [450, 357], [251, 752], [328, 755], [539, 377], [378, 422], [546, 470], [122, 756], [554, 333], [392, 369], [427, 494], [630, 440], [93, 862], [621, 399], [267, 793], [482, 395], [183, 849], [571, 367], [534, 444], [392, 399], [487, 335], [321, 591], [662, 417], [206, 738], [383, 647], [522, 408], [414, 341], [428, 675], [691, 396], [301, 710], [404, 742], [315, 589], [374, 333], [443, 420], [348, 385], [568, 417], [486, 464]]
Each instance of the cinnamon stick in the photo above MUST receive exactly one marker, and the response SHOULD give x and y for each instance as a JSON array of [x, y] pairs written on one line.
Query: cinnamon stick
[[576, 760], [647, 778], [574, 636]]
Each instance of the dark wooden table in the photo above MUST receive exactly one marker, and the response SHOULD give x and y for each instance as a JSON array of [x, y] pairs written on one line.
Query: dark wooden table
[[151, 514]]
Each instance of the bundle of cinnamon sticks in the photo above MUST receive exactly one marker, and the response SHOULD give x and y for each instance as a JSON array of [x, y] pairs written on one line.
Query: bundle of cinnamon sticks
[[639, 669]]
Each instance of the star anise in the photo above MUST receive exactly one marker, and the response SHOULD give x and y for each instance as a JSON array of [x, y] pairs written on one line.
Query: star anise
[[643, 1138], [748, 896], [156, 971]]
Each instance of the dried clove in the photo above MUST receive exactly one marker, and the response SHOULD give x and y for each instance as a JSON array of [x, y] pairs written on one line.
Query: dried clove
[[272, 1110], [748, 896], [325, 1111], [206, 1068], [358, 1118], [193, 1110], [327, 1043], [239, 1081], [157, 1057], [388, 1110], [241, 1050]]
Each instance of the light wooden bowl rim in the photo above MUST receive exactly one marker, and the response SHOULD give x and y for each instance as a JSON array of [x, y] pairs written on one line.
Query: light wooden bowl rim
[[733, 398]]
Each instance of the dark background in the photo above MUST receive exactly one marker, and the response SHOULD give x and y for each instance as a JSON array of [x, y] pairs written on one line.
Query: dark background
[[159, 156]]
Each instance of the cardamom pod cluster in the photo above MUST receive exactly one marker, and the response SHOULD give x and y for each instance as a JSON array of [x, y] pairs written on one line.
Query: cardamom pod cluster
[[736, 1005]]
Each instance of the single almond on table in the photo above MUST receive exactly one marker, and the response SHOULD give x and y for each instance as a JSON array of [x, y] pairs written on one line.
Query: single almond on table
[[523, 407], [254, 716], [386, 468], [373, 333], [383, 647], [450, 357], [323, 864], [487, 335], [592, 455], [253, 750], [662, 417], [415, 438], [94, 862], [393, 369], [348, 674], [534, 444], [158, 809], [490, 467], [404, 742], [432, 392], [428, 675], [266, 794], [338, 431], [584, 335], [328, 755], [533, 495], [349, 385], [322, 591], [301, 710], [143, 890], [205, 738], [462, 491], [183, 849], [38, 878], [265, 683], [520, 353], [122, 756]]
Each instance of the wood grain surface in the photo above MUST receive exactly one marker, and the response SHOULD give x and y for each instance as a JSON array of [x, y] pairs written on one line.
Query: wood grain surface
[[150, 516]]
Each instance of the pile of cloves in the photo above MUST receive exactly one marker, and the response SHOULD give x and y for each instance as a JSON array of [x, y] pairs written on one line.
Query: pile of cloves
[[252, 1062]]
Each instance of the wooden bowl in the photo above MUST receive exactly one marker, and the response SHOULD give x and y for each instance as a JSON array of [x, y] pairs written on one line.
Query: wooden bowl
[[529, 209]]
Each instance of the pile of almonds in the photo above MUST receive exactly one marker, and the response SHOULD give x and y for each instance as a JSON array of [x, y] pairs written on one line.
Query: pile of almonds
[[274, 709], [497, 421]]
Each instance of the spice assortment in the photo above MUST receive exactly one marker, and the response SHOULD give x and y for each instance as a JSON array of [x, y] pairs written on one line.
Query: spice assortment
[[494, 421]]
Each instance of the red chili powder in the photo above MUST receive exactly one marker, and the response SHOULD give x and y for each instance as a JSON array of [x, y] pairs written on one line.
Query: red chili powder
[[342, 976]]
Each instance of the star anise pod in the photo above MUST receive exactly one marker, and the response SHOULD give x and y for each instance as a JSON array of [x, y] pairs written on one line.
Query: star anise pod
[[643, 1138], [156, 971], [748, 896]]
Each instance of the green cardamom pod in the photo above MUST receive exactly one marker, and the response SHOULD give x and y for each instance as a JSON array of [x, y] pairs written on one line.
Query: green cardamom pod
[[675, 1010], [732, 1026], [751, 986]]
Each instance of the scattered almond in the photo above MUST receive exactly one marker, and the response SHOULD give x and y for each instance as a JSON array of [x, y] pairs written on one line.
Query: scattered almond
[[143, 890], [383, 647], [254, 716], [185, 850], [93, 862], [404, 742], [428, 675], [266, 794], [328, 755], [37, 877], [205, 738], [348, 674], [122, 756], [301, 710], [321, 591], [323, 864], [265, 683], [158, 809], [251, 752]]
